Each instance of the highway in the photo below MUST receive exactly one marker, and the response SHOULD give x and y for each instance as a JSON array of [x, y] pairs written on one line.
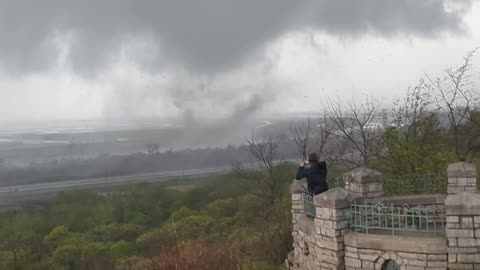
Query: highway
[[13, 197], [110, 181]]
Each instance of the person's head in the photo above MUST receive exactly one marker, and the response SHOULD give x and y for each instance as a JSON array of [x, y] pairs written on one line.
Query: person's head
[[312, 157]]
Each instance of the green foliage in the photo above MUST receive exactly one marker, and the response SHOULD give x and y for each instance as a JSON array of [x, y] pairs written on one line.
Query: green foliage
[[414, 143], [56, 236], [123, 249], [68, 257], [83, 230]]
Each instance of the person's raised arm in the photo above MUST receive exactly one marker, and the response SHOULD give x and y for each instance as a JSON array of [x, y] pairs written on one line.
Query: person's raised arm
[[300, 171]]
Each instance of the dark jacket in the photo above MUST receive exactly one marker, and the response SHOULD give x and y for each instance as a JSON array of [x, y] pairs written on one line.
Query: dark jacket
[[316, 174]]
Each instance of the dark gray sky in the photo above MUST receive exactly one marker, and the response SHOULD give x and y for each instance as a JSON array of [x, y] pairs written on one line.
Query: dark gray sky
[[94, 59]]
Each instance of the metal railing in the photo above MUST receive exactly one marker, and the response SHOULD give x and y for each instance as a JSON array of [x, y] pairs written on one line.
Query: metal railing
[[397, 220], [308, 205], [431, 183]]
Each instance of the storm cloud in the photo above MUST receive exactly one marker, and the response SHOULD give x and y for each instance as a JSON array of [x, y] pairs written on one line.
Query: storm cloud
[[204, 37]]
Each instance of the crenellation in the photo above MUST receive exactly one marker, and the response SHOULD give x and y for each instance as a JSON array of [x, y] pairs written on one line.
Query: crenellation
[[327, 242]]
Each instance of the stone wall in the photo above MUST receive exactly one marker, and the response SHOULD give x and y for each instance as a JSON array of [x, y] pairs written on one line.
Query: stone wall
[[463, 230], [364, 251], [318, 241], [326, 242]]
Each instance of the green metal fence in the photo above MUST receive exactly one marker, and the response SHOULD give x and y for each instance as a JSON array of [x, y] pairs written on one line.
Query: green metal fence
[[308, 205], [431, 183], [397, 220]]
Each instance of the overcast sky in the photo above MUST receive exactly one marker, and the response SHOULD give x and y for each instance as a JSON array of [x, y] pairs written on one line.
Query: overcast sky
[[72, 59]]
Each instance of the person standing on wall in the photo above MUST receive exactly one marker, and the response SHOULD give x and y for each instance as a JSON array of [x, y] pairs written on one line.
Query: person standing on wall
[[316, 173]]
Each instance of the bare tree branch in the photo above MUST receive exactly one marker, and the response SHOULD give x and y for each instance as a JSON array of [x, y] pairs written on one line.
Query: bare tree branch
[[356, 126]]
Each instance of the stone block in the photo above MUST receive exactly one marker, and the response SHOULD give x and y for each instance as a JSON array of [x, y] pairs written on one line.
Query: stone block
[[467, 242], [434, 257], [459, 233], [452, 242], [368, 265], [331, 260], [462, 182], [437, 264], [453, 226], [415, 262], [328, 224], [460, 266], [463, 250], [351, 249], [372, 187], [468, 258], [296, 197], [297, 207], [453, 219], [335, 246], [412, 267], [352, 262], [422, 257], [467, 222], [408, 255], [368, 257], [376, 252], [351, 254], [472, 182]]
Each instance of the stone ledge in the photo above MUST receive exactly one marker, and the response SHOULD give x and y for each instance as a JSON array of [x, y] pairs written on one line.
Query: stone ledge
[[335, 198], [396, 244]]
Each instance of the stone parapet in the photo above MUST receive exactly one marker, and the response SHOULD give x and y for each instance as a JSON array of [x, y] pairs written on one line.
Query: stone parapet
[[364, 181], [318, 242], [462, 177], [463, 230], [297, 188]]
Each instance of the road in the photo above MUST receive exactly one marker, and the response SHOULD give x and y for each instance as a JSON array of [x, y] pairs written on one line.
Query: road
[[13, 196], [20, 194], [94, 182]]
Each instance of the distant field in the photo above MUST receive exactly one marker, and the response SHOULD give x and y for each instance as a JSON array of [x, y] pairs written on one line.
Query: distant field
[[22, 146]]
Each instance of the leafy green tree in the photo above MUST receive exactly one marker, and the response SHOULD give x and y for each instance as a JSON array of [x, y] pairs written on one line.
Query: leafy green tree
[[221, 208], [97, 256], [413, 143], [56, 237], [123, 249], [116, 232], [68, 257]]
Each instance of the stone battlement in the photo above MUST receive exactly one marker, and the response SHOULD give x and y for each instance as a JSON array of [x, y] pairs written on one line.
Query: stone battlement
[[359, 228]]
